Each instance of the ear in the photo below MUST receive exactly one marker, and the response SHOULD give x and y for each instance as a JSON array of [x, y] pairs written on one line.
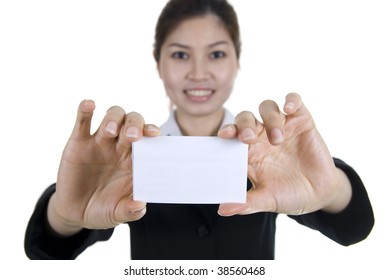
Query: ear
[[155, 56], [237, 69]]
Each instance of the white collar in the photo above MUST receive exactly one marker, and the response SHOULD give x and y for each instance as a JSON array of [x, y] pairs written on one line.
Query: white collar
[[170, 127]]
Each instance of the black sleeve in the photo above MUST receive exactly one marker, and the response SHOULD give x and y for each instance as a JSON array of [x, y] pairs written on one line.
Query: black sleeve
[[354, 223], [41, 243]]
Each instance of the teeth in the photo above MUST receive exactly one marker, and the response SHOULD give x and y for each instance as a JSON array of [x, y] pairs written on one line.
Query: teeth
[[199, 92]]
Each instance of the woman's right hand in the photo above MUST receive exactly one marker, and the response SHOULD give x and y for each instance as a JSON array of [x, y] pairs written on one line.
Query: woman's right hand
[[94, 185]]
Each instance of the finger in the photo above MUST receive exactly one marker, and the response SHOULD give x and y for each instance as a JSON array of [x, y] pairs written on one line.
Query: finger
[[246, 124], [231, 209], [151, 130], [257, 201], [273, 120], [228, 131], [132, 129], [129, 210], [111, 124], [260, 200], [84, 117], [294, 104]]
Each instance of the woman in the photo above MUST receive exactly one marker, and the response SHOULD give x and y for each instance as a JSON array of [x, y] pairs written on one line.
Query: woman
[[197, 48]]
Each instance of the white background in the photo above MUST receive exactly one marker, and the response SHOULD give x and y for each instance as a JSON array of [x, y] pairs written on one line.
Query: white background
[[53, 54]]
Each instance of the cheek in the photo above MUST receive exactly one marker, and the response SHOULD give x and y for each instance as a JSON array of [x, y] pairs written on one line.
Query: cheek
[[227, 75], [171, 77]]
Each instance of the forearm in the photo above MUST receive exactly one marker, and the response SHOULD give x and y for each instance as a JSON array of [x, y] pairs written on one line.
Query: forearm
[[353, 223], [42, 243]]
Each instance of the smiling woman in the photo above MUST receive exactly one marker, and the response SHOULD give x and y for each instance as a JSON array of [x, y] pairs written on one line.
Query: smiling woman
[[290, 169], [198, 65]]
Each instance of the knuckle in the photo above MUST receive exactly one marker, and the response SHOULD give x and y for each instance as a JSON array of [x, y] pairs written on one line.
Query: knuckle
[[244, 117], [116, 111], [134, 117], [269, 110], [267, 105], [293, 95], [295, 98]]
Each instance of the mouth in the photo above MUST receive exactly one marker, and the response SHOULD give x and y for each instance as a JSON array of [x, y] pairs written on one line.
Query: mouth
[[199, 95]]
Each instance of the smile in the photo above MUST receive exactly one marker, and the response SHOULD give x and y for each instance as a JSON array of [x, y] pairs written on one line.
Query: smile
[[199, 92], [199, 96]]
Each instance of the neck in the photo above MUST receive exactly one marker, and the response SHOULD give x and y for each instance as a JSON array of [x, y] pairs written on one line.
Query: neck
[[191, 125]]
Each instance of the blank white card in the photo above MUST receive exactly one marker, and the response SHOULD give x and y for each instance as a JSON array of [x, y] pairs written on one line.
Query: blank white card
[[186, 169]]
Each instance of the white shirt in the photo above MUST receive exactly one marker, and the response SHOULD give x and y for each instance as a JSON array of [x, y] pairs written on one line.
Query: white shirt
[[171, 128]]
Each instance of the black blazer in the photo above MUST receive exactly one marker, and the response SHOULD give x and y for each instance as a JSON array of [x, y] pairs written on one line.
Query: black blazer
[[175, 231]]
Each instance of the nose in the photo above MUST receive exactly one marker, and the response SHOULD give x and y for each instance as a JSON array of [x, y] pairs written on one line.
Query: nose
[[199, 70]]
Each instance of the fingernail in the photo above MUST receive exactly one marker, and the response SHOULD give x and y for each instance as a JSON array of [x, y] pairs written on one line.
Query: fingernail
[[90, 104], [111, 128], [248, 134], [141, 209], [276, 135], [231, 209], [228, 129], [152, 128], [289, 105], [132, 132]]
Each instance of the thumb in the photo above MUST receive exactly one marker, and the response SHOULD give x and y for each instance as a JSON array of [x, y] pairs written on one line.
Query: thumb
[[231, 209], [257, 201], [129, 210], [84, 117]]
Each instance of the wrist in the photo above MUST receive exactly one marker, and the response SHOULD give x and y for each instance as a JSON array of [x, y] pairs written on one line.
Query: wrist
[[57, 223], [342, 196]]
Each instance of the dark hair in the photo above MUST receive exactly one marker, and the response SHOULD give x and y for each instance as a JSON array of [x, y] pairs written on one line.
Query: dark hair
[[176, 11]]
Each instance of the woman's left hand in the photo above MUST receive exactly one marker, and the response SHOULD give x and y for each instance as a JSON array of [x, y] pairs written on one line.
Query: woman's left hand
[[289, 164]]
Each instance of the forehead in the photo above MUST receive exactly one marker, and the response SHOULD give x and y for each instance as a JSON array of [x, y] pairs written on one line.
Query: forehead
[[203, 30]]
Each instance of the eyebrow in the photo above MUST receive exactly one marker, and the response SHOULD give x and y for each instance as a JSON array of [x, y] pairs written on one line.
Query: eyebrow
[[187, 47], [218, 43]]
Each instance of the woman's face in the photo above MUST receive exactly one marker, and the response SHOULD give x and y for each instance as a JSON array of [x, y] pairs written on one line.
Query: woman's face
[[198, 65]]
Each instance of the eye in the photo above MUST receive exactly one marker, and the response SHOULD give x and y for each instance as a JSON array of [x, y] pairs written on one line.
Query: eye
[[217, 54], [180, 55]]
